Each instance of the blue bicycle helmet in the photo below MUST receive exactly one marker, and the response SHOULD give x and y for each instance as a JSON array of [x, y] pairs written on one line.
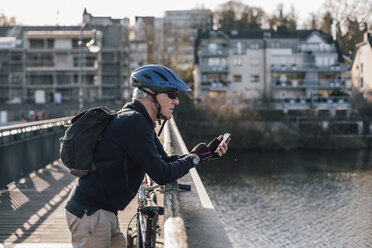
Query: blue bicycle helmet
[[157, 78]]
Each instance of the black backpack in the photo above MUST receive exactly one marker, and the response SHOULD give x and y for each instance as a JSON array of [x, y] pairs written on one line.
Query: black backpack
[[81, 137]]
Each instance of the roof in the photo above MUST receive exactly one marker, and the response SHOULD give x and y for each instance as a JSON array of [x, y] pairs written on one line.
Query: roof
[[281, 33]]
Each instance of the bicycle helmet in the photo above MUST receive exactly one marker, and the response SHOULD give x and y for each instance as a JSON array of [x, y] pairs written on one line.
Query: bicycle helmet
[[157, 78]]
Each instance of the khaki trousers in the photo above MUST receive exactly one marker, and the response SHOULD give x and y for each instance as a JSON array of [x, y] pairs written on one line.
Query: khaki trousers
[[100, 230]]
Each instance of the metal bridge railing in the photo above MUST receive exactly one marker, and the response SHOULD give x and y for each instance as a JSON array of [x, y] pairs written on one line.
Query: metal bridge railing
[[28, 146]]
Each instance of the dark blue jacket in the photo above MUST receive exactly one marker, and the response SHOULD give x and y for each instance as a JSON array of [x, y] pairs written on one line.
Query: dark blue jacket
[[130, 135]]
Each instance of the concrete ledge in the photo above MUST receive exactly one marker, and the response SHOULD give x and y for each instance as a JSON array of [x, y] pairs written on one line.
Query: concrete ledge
[[203, 226], [174, 227]]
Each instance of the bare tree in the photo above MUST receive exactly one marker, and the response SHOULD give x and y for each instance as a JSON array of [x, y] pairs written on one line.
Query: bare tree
[[7, 21], [312, 22], [235, 14], [280, 18], [350, 18], [344, 10]]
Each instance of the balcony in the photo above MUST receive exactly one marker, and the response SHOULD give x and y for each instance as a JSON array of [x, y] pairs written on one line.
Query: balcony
[[301, 84], [207, 68], [331, 100], [221, 52], [306, 102], [215, 85], [289, 84], [286, 68], [332, 84], [313, 67]]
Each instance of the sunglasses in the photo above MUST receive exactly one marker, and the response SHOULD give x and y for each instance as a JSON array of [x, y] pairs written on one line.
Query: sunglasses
[[172, 94]]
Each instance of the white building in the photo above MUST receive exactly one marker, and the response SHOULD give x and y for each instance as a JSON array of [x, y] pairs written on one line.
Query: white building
[[297, 71], [361, 69]]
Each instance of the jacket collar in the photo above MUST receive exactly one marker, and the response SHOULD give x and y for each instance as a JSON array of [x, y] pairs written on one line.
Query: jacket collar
[[138, 106]]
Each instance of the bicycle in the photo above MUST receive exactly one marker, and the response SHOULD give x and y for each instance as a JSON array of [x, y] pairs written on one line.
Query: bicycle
[[143, 235]]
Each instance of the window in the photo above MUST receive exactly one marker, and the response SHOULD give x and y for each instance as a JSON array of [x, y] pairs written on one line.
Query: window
[[361, 67], [361, 82], [220, 62], [90, 61], [36, 43], [108, 56], [239, 47], [237, 78], [15, 78], [50, 43], [237, 61], [254, 45], [204, 77], [255, 78], [16, 57], [275, 44], [41, 79], [212, 47]]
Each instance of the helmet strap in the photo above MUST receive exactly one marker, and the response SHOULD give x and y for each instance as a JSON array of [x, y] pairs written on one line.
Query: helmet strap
[[159, 116]]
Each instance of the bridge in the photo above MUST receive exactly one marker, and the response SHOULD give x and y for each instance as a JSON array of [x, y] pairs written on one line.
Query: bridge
[[35, 185]]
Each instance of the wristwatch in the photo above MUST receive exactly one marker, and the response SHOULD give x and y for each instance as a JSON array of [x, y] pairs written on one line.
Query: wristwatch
[[195, 160]]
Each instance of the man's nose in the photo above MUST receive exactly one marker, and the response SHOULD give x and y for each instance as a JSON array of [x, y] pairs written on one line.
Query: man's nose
[[176, 101]]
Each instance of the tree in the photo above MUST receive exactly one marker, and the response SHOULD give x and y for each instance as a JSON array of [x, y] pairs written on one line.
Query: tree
[[236, 15], [350, 18], [288, 20], [7, 21], [326, 25], [313, 22], [353, 35], [252, 18]]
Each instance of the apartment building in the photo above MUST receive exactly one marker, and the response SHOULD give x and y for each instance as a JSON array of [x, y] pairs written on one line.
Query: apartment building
[[298, 71], [146, 42], [52, 64], [361, 72], [168, 40], [180, 31]]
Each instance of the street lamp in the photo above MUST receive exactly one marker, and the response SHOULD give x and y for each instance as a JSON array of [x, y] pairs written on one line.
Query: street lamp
[[93, 47]]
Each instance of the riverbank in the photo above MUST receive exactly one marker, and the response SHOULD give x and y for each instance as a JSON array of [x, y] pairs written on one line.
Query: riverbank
[[254, 130]]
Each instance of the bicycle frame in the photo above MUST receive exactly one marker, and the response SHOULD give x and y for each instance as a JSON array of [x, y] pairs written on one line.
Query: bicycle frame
[[144, 235]]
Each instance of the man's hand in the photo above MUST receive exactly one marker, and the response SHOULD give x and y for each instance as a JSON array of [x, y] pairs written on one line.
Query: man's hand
[[213, 150], [202, 151], [218, 149]]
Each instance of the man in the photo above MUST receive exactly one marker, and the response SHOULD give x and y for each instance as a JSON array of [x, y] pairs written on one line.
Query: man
[[91, 211]]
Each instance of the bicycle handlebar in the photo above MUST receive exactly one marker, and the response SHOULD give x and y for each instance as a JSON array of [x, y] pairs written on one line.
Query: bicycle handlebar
[[186, 187], [142, 189]]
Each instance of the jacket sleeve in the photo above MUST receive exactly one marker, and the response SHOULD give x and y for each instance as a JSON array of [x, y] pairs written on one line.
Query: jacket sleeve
[[163, 154], [140, 146]]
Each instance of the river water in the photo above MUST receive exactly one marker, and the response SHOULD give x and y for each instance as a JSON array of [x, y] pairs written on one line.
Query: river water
[[293, 199]]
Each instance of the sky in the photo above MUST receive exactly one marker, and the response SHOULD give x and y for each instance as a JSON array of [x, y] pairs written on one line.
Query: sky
[[69, 12]]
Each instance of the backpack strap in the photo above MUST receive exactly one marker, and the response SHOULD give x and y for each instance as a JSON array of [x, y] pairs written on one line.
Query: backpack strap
[[122, 110], [96, 165]]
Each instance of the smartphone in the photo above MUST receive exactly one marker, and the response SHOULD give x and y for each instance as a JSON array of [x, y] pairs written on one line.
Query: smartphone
[[225, 138]]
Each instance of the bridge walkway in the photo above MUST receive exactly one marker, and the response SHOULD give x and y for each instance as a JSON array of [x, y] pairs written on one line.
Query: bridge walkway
[[32, 209]]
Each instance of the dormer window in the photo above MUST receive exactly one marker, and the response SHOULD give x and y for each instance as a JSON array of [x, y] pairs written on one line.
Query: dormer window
[[239, 47], [212, 48]]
